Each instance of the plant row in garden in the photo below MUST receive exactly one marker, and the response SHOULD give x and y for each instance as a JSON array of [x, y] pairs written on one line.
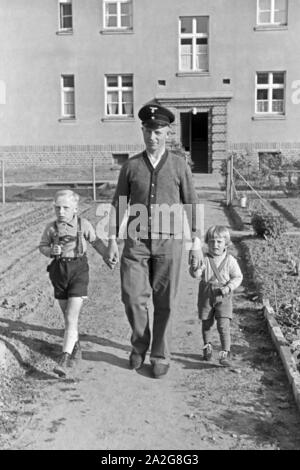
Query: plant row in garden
[[276, 265]]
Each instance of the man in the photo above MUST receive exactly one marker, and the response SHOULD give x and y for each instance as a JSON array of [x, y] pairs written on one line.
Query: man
[[152, 183]]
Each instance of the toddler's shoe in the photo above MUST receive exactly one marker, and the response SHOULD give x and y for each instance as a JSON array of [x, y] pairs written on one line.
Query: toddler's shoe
[[207, 352], [63, 364], [224, 358]]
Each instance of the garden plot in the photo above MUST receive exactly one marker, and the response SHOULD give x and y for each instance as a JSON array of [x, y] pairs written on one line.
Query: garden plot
[[290, 208], [276, 264]]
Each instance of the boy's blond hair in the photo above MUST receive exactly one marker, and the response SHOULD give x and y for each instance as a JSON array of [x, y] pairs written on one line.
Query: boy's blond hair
[[218, 231], [68, 193]]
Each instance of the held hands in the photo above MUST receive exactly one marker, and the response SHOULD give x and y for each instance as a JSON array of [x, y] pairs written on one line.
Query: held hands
[[196, 273], [111, 257], [196, 268], [195, 258]]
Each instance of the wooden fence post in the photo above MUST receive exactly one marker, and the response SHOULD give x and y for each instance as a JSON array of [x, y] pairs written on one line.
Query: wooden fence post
[[3, 180], [94, 179], [229, 181]]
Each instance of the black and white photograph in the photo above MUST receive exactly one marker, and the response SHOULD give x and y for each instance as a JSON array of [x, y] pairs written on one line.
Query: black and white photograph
[[150, 228]]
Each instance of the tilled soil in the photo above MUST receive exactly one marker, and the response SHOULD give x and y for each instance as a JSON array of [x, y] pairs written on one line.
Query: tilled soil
[[103, 404]]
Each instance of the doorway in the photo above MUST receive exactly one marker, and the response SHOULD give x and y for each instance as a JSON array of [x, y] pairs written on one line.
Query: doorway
[[194, 139]]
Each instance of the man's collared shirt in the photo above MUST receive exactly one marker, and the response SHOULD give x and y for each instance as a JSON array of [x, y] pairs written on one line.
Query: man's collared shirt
[[157, 160], [65, 234]]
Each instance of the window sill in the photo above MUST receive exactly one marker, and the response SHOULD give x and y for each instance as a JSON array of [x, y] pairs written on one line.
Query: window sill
[[67, 119], [269, 117], [271, 27], [65, 32], [192, 74], [116, 31], [118, 119]]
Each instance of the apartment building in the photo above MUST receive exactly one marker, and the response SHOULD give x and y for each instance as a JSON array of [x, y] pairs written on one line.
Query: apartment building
[[74, 73]]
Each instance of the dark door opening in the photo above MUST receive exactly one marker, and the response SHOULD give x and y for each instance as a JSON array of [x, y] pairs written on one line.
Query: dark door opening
[[194, 138]]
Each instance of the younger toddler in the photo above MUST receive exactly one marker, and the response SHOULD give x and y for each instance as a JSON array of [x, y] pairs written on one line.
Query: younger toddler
[[219, 275]]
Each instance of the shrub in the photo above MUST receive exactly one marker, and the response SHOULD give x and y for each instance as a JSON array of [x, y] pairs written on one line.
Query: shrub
[[179, 150], [267, 225]]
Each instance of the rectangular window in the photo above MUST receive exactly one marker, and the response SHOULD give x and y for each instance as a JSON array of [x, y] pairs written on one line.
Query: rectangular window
[[120, 158], [117, 14], [193, 44], [65, 15], [119, 95], [270, 92], [272, 12], [272, 160], [67, 96]]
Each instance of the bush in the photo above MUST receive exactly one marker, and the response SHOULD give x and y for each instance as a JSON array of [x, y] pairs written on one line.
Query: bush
[[267, 225], [177, 149]]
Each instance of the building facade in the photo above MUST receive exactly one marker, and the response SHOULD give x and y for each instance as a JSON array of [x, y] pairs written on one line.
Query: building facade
[[74, 73]]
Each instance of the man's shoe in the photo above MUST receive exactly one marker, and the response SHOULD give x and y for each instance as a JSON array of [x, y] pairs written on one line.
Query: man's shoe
[[76, 355], [63, 364], [224, 358], [207, 352], [136, 360], [159, 369]]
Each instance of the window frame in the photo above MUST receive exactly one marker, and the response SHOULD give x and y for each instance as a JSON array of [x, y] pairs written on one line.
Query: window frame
[[118, 15], [194, 36], [270, 86], [119, 89], [65, 89], [117, 156], [61, 28], [272, 10]]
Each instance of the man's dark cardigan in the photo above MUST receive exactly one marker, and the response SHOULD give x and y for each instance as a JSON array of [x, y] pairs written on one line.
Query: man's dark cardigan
[[169, 183]]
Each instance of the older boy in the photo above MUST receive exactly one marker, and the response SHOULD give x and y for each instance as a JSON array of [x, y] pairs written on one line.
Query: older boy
[[64, 240]]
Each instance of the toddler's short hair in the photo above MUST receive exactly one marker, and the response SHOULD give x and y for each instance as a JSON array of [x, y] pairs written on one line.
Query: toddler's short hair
[[218, 231], [68, 193]]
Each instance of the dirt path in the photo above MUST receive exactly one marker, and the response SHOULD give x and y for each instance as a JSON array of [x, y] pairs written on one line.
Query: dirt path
[[107, 406]]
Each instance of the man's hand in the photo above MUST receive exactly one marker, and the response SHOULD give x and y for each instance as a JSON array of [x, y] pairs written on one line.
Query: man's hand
[[195, 255], [195, 258], [111, 256]]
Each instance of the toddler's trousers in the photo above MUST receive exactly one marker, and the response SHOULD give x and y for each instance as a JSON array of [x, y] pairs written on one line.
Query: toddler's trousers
[[223, 326]]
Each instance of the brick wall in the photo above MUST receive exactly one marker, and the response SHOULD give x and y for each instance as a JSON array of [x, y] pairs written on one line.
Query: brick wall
[[289, 150], [70, 155]]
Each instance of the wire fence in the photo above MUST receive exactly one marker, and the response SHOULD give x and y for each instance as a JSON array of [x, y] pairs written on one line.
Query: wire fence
[[89, 176], [244, 188]]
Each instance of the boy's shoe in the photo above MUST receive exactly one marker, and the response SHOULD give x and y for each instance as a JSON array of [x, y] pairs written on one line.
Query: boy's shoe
[[207, 352], [224, 358], [136, 360], [76, 355], [63, 364]]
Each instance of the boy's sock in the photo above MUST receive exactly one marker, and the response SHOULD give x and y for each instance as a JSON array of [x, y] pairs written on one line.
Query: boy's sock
[[70, 338]]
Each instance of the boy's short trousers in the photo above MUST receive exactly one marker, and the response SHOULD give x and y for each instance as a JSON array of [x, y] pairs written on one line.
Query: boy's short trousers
[[69, 277]]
